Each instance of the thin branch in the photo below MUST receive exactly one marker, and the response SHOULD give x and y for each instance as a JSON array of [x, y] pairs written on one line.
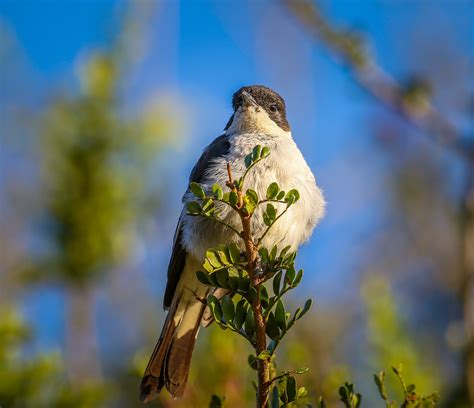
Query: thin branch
[[230, 182], [282, 375], [268, 200], [225, 224], [268, 229], [377, 83], [248, 169]]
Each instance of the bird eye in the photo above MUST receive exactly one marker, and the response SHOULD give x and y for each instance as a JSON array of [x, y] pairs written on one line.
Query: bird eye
[[274, 108]]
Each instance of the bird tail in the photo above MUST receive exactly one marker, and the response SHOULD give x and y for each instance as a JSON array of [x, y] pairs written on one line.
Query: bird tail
[[169, 364]]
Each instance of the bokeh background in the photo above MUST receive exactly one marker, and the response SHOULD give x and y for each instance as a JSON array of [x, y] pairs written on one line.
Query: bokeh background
[[105, 106]]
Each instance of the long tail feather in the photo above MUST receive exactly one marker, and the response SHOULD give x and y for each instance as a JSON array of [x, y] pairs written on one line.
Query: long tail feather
[[169, 364]]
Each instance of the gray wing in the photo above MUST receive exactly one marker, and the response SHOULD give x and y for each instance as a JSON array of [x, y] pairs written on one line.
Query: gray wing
[[218, 148]]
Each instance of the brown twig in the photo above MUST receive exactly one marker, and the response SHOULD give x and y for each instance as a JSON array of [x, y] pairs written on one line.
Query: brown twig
[[251, 251]]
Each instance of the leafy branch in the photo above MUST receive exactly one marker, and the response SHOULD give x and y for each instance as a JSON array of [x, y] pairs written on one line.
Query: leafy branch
[[248, 309], [411, 100]]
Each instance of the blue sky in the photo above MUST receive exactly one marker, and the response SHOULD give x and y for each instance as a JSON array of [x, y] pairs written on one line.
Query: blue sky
[[200, 52]]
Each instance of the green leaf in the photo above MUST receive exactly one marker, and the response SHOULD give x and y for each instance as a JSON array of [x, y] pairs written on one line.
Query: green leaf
[[233, 198], [208, 206], [222, 277], [298, 278], [253, 362], [291, 390], [233, 282], [251, 201], [321, 403], [272, 329], [207, 266], [271, 211], [197, 190], [215, 307], [264, 296], [263, 252], [265, 152], [273, 253], [193, 208], [302, 370], [266, 220], [234, 253], [284, 251], [228, 308], [211, 256], [256, 152], [248, 160], [233, 271], [244, 284], [272, 191], [280, 315], [203, 277], [380, 382], [217, 191], [276, 283], [252, 195], [240, 314], [251, 294], [306, 308], [290, 275], [292, 197], [213, 279], [280, 195], [249, 325], [222, 253]]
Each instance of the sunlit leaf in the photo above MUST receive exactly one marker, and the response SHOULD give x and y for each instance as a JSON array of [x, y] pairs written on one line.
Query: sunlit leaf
[[217, 191], [197, 190]]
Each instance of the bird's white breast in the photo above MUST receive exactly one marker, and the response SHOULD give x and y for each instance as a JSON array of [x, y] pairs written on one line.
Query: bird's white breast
[[287, 167]]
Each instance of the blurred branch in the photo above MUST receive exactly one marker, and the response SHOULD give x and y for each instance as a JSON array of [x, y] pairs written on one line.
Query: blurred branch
[[466, 257], [412, 100]]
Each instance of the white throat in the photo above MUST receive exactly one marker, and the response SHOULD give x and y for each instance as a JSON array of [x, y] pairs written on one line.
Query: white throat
[[254, 119]]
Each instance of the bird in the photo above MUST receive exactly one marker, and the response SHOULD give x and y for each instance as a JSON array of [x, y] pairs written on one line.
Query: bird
[[259, 117]]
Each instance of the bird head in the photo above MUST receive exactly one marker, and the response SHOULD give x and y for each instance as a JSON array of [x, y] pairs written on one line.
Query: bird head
[[257, 109]]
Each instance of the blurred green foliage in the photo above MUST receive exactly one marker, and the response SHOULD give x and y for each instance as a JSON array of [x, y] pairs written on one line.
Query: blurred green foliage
[[29, 380], [94, 167], [391, 342], [95, 158]]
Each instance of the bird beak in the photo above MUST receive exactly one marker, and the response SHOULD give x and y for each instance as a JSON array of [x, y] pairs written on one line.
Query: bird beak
[[247, 100]]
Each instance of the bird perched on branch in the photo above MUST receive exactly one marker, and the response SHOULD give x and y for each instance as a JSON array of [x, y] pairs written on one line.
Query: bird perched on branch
[[259, 117]]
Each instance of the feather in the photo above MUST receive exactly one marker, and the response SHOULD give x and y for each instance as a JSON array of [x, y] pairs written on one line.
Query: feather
[[170, 361]]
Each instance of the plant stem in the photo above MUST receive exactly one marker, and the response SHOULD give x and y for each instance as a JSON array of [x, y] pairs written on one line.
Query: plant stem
[[263, 369], [260, 324]]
